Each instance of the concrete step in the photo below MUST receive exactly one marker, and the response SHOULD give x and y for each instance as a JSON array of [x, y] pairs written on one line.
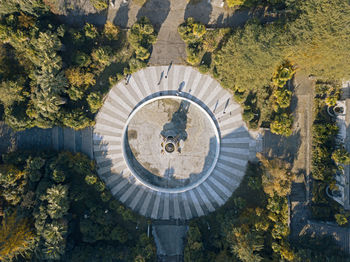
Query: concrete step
[[69, 139]]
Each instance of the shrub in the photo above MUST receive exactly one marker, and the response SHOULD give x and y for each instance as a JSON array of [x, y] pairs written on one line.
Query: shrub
[[95, 101], [341, 219], [141, 38], [282, 125], [90, 179], [341, 156], [233, 3], [100, 4], [111, 31], [102, 55], [90, 31]]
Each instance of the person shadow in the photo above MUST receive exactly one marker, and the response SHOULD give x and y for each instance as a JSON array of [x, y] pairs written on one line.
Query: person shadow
[[199, 11], [156, 11]]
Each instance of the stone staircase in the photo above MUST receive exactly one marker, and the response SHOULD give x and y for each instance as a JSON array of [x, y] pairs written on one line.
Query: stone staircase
[[56, 138], [237, 144]]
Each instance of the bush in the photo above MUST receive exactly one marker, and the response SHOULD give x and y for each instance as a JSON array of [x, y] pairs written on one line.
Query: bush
[[233, 3], [111, 31], [141, 38], [341, 219], [282, 125], [100, 4], [90, 31], [95, 101], [193, 34]]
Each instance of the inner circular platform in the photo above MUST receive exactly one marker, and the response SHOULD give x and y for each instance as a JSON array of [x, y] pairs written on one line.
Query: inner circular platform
[[171, 143]]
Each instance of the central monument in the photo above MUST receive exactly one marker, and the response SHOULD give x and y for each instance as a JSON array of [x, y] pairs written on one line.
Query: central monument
[[170, 143]]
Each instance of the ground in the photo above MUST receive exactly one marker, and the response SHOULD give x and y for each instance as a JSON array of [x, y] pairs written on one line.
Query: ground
[[185, 122]]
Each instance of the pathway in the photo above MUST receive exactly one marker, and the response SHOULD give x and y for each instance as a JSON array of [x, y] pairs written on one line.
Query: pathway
[[167, 15], [56, 138]]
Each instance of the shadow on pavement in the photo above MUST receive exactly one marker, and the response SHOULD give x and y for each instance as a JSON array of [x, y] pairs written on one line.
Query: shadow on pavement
[[199, 11], [156, 11]]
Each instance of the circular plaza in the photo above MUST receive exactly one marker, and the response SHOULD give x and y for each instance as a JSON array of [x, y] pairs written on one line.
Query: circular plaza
[[170, 143]]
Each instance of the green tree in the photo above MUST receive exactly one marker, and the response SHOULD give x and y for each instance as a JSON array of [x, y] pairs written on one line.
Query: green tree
[[57, 199], [90, 31], [282, 125], [13, 183], [111, 31], [233, 3], [341, 156], [141, 37], [341, 219]]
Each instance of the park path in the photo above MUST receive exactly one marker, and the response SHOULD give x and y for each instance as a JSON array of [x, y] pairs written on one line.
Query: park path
[[167, 15], [56, 138]]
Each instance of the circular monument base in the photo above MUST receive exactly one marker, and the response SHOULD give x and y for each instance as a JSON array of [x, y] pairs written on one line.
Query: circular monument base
[[171, 148], [171, 144]]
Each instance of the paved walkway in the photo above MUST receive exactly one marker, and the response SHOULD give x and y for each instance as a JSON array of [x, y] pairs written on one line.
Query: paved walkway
[[167, 15], [56, 138], [170, 240]]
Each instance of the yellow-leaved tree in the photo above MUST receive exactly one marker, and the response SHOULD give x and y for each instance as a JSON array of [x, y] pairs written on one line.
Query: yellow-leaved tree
[[277, 178], [16, 237]]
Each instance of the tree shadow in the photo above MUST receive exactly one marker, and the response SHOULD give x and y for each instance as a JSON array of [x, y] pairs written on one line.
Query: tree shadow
[[122, 16], [285, 148], [156, 11], [199, 11]]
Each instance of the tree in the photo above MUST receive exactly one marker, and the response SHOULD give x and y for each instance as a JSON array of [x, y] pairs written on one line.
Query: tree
[[102, 55], [16, 237], [341, 156], [341, 219], [276, 178], [10, 92], [95, 101], [13, 183], [111, 31], [141, 38], [55, 242], [90, 31], [193, 34], [233, 3], [57, 199], [245, 244], [282, 124], [250, 56], [282, 97]]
